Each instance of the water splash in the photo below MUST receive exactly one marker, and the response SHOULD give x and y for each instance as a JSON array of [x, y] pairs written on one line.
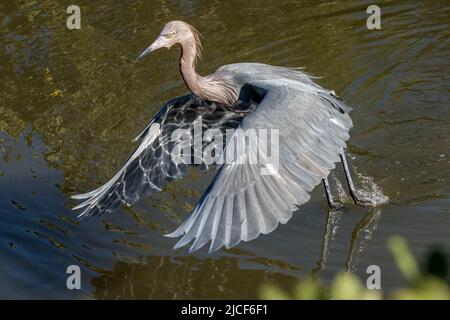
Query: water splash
[[370, 191], [342, 195], [366, 190]]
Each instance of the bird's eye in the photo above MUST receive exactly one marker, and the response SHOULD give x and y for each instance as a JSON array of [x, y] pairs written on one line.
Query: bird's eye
[[169, 34]]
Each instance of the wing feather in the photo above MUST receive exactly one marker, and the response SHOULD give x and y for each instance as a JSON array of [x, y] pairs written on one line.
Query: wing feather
[[151, 166], [313, 126]]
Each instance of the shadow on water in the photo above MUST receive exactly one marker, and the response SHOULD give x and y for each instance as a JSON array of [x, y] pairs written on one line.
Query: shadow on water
[[71, 102]]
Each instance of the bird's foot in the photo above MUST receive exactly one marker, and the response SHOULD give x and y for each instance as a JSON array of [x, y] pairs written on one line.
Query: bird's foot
[[364, 200], [336, 206]]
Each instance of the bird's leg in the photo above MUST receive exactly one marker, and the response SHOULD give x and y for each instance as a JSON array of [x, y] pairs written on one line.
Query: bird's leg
[[361, 235], [357, 198], [328, 239], [333, 205]]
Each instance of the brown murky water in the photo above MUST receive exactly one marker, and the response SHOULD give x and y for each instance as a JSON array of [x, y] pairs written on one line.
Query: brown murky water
[[71, 101]]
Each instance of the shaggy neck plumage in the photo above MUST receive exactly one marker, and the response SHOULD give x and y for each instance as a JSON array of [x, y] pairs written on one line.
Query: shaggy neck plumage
[[208, 88], [187, 67]]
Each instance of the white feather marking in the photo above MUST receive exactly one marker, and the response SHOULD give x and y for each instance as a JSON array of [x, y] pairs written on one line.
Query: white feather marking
[[93, 196], [336, 122]]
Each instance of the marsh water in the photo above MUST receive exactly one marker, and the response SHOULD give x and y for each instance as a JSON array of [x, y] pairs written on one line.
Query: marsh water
[[72, 100]]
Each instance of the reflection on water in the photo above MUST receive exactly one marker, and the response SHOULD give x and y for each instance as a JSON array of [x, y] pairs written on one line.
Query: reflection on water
[[182, 278], [71, 101], [362, 234]]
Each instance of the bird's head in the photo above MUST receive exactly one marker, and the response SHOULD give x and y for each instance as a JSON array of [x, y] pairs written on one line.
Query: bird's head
[[175, 32]]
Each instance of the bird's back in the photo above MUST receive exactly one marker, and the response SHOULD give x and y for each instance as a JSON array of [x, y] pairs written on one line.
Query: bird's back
[[242, 73], [275, 78]]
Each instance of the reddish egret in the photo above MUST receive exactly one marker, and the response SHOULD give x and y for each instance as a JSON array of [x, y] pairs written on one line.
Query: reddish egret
[[240, 202]]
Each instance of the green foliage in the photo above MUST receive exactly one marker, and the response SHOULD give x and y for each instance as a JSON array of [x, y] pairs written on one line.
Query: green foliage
[[345, 286], [429, 283], [424, 284], [404, 259]]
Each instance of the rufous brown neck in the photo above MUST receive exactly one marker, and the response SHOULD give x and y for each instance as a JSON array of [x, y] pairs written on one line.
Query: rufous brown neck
[[209, 88], [187, 67]]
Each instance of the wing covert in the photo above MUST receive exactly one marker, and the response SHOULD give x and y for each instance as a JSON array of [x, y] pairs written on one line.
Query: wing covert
[[242, 202]]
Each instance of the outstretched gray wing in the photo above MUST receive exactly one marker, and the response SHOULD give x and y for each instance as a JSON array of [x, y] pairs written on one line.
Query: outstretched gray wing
[[151, 165], [247, 198]]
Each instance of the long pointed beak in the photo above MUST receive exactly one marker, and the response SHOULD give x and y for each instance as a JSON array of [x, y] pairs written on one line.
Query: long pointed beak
[[159, 43]]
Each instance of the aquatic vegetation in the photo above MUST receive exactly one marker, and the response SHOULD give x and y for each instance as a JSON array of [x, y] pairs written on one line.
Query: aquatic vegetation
[[428, 282]]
